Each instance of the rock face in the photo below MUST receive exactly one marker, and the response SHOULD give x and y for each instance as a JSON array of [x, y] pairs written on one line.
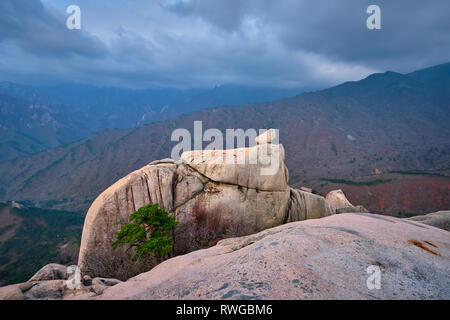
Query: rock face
[[336, 199], [339, 203], [46, 290], [440, 219], [55, 282], [212, 198], [52, 271], [100, 284], [314, 259]]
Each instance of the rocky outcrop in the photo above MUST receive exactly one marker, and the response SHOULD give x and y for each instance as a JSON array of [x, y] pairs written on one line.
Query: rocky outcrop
[[306, 205], [336, 199], [440, 219], [101, 284], [329, 258], [339, 203], [54, 282], [52, 271], [212, 198]]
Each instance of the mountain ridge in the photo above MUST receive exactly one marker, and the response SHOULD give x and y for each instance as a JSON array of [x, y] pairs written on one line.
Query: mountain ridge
[[350, 131], [62, 114]]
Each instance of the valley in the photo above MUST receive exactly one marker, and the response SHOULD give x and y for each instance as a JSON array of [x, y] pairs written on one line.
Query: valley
[[357, 131]]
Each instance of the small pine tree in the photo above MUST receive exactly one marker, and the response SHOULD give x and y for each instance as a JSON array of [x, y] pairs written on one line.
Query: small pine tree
[[150, 231]]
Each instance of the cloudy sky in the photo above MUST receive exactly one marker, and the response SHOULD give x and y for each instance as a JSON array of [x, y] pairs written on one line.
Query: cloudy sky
[[203, 43]]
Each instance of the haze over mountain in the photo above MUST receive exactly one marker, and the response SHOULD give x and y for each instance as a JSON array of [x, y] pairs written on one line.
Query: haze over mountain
[[389, 124], [36, 118]]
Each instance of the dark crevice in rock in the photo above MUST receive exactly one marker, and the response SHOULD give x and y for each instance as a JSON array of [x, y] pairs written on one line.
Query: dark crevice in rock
[[230, 184], [159, 189], [147, 187], [132, 198]]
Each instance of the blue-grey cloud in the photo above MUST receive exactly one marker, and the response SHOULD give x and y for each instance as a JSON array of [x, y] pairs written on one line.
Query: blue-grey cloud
[[200, 43], [413, 32], [42, 31]]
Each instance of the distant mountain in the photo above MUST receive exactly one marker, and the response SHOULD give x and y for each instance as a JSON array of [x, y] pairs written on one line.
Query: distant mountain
[[385, 140], [29, 127], [37, 118]]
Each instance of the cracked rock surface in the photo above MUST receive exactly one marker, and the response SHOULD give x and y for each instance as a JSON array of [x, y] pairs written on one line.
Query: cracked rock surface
[[314, 259]]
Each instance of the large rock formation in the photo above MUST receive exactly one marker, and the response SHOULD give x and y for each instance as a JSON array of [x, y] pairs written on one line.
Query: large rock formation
[[440, 219], [211, 197], [339, 203], [329, 258]]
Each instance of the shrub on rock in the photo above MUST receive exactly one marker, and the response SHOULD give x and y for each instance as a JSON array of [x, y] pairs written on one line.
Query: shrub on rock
[[150, 232]]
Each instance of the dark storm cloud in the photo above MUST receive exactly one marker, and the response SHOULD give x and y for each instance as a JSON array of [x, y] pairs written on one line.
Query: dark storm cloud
[[413, 33], [201, 43], [42, 31]]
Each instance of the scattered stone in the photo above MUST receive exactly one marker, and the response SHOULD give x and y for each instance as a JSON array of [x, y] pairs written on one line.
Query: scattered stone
[[100, 284], [440, 219], [52, 271], [106, 281], [46, 290], [87, 280]]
